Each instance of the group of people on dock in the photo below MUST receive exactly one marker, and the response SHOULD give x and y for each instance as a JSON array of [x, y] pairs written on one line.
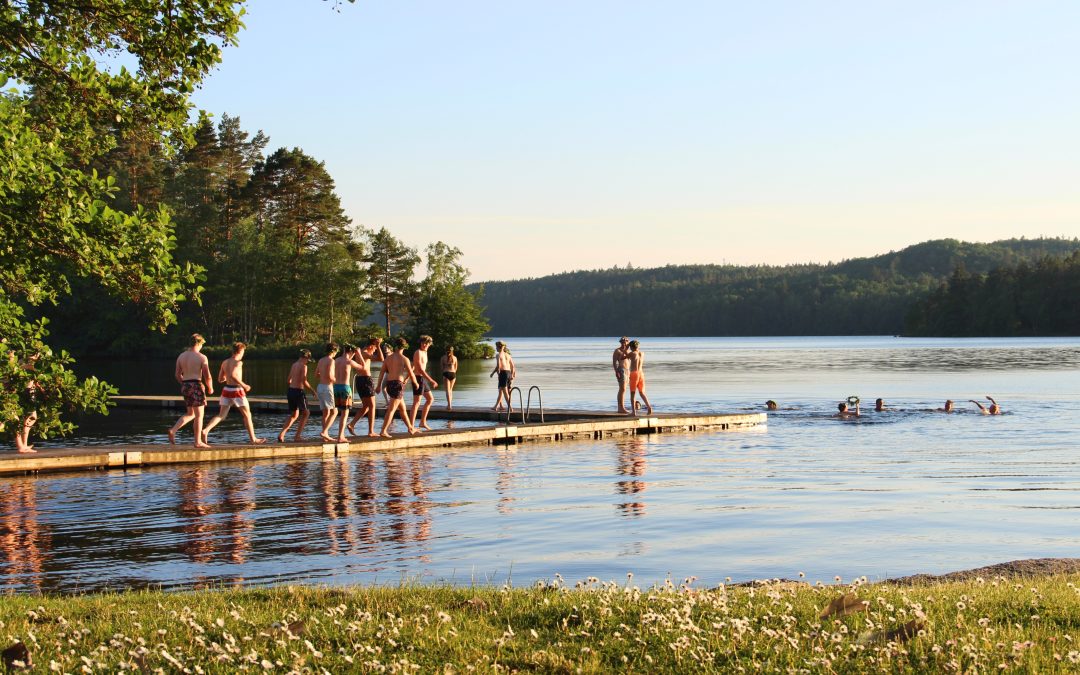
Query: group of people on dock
[[343, 373], [629, 360]]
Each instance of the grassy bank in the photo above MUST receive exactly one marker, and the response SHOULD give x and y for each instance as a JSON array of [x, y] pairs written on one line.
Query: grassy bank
[[980, 625]]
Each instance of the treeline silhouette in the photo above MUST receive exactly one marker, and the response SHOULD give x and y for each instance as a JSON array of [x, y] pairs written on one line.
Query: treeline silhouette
[[1028, 299], [861, 296]]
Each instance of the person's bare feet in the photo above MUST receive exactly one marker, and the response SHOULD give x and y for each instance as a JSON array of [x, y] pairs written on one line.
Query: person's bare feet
[[326, 438], [205, 433], [28, 450], [341, 439], [386, 434], [650, 410], [297, 438], [425, 426], [373, 435], [413, 431], [258, 441], [623, 411], [281, 437], [202, 446], [172, 436], [352, 429]]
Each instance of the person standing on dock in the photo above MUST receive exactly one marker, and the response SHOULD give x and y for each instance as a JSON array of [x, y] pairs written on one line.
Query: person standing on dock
[[298, 408], [324, 370], [424, 382], [395, 370], [448, 364], [193, 374], [504, 367], [636, 358], [619, 363], [365, 387], [343, 369], [234, 394]]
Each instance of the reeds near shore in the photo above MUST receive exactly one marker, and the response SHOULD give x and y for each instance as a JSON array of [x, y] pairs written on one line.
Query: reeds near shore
[[981, 625]]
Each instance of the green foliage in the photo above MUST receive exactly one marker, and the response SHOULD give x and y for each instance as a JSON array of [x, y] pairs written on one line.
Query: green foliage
[[445, 309], [866, 296], [390, 275], [1026, 625], [1028, 299], [59, 217]]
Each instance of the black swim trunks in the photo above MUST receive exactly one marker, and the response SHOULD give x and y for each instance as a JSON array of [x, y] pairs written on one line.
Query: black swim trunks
[[296, 398], [393, 389], [504, 379], [192, 391], [449, 376], [421, 388], [365, 388]]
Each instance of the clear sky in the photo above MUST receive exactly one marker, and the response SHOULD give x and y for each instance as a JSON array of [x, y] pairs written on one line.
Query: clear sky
[[542, 137]]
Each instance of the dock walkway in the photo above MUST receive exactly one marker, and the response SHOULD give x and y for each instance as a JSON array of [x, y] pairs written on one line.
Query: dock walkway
[[557, 425]]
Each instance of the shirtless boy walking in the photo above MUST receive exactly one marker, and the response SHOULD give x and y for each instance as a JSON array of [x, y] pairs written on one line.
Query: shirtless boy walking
[[324, 370], [344, 365], [365, 386], [424, 382], [636, 359], [298, 407], [505, 369], [234, 393], [193, 374], [395, 370]]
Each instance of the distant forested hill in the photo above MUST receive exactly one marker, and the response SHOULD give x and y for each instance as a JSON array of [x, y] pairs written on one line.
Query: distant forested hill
[[862, 296]]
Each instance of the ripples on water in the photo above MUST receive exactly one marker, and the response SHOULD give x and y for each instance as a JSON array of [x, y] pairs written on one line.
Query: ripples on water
[[907, 490]]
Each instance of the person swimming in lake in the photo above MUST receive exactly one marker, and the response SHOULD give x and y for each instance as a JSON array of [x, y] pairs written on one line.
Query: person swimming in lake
[[992, 409], [770, 404], [845, 411], [948, 408], [879, 405]]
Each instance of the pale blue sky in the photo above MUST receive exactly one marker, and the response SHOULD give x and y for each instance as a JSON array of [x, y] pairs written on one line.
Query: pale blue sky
[[551, 136]]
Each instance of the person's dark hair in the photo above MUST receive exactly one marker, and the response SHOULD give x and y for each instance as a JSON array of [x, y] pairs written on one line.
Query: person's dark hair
[[841, 406], [401, 343], [450, 349], [197, 339], [331, 348], [373, 340], [238, 347], [347, 348], [305, 353], [426, 339], [634, 345]]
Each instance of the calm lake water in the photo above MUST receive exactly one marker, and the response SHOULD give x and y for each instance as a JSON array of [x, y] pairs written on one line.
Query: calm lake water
[[893, 493]]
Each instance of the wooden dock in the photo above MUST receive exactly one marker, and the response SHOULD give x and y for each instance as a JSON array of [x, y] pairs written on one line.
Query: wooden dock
[[557, 425]]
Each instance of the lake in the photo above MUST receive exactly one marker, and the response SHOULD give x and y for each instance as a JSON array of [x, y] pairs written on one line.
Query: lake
[[898, 492]]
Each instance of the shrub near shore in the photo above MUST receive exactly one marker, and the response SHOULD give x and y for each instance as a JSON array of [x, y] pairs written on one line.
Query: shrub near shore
[[982, 625]]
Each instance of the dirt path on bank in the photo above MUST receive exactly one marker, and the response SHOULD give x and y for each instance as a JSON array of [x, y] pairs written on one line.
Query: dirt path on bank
[[1032, 567]]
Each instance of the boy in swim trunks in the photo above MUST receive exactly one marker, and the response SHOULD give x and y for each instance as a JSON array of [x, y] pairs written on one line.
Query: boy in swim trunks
[[618, 364], [504, 367], [193, 374], [234, 393], [324, 370], [365, 387], [636, 358], [396, 368], [343, 368], [298, 408], [425, 382]]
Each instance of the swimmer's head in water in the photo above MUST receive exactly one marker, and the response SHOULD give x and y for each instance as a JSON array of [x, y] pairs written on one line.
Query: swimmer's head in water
[[842, 407], [770, 404]]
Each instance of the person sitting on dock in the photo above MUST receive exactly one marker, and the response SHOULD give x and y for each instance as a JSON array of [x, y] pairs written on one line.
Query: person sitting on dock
[[193, 374], [993, 409], [234, 393], [636, 359], [618, 364], [504, 367], [297, 383], [365, 386], [324, 370], [395, 370], [424, 383]]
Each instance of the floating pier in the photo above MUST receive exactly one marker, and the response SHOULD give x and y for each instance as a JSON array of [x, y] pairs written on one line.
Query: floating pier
[[557, 425]]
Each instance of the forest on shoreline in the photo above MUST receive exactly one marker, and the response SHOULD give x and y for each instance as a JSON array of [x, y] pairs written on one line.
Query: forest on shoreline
[[944, 287]]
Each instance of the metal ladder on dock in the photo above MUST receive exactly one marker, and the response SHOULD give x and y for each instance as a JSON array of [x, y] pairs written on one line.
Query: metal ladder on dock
[[526, 410]]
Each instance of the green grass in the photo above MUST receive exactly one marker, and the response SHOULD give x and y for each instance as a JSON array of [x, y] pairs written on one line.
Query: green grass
[[986, 625]]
